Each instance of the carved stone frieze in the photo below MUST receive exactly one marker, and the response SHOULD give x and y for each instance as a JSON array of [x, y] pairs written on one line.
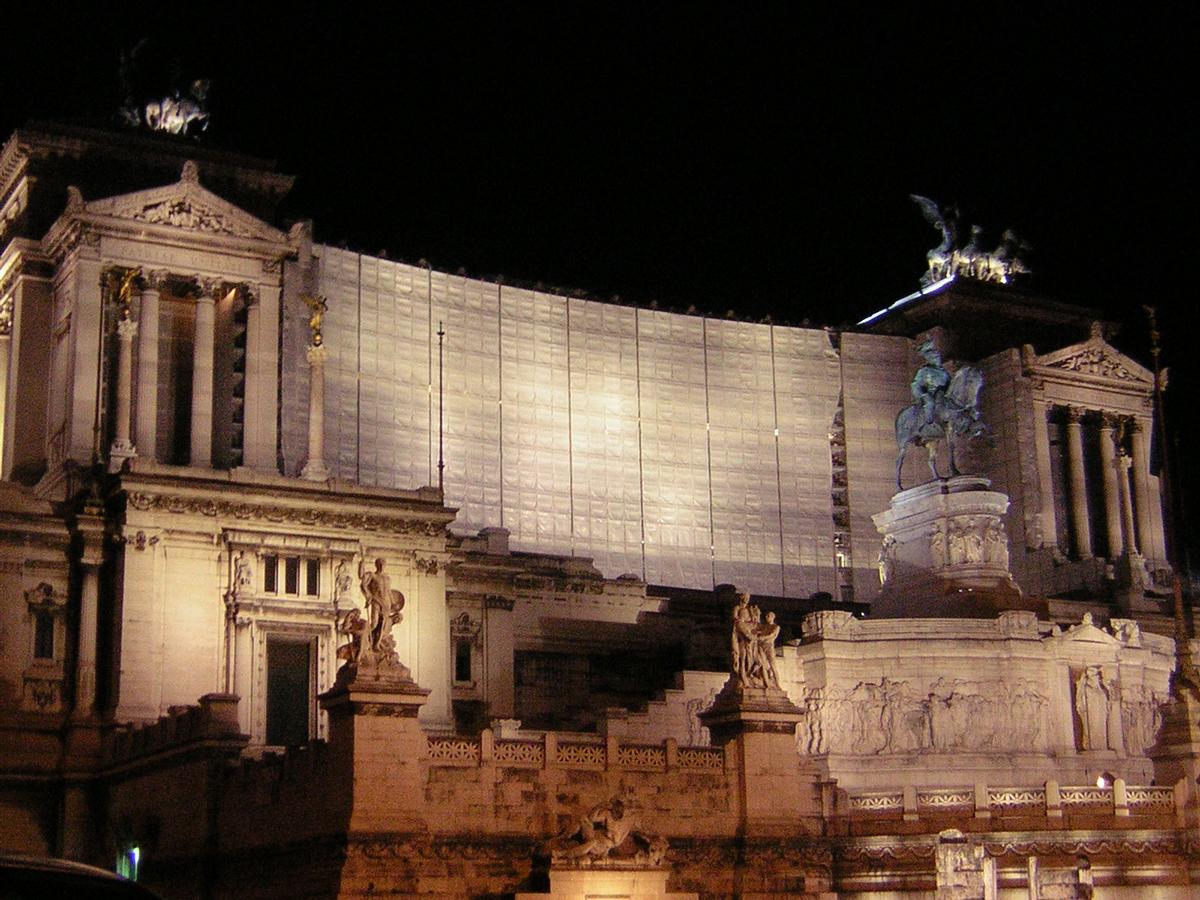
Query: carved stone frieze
[[1094, 361], [305, 516], [464, 627], [899, 717]]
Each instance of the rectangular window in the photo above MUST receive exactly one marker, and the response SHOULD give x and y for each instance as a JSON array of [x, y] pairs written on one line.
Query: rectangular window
[[270, 574], [462, 660], [43, 635], [289, 678], [312, 585], [291, 575]]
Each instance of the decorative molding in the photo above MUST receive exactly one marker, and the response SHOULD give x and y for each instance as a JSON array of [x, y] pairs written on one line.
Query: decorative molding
[[281, 514], [499, 601]]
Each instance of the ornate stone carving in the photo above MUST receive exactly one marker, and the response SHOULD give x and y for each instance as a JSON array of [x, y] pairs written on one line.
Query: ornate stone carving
[[753, 644], [608, 835], [1096, 361], [6, 315], [1141, 718], [1093, 697], [304, 516], [464, 627], [185, 212], [427, 565], [896, 717]]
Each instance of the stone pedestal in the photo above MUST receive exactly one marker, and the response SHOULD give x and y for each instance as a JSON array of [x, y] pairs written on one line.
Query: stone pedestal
[[608, 882], [779, 790], [945, 552], [378, 745]]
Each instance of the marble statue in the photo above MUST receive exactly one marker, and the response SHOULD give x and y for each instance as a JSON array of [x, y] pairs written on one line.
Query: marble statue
[[945, 407], [752, 644], [609, 834], [1092, 698], [383, 609], [243, 575]]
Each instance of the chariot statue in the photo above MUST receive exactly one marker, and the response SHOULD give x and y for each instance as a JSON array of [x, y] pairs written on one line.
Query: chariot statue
[[945, 407], [952, 257]]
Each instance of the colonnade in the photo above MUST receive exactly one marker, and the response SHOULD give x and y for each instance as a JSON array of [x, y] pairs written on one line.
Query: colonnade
[[139, 427], [1132, 519]]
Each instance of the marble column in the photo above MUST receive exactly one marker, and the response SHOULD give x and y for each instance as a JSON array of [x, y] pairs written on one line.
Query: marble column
[[1123, 465], [1112, 497], [202, 375], [315, 469], [91, 529], [146, 431], [122, 447], [1142, 500], [1047, 516], [1078, 483]]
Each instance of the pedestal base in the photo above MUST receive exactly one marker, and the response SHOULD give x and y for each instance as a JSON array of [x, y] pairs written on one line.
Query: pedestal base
[[611, 883], [945, 552]]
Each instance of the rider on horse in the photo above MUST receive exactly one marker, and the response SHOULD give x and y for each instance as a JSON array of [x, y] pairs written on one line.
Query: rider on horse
[[930, 383]]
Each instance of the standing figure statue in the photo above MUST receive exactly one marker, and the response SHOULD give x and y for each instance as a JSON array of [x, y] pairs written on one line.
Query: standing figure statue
[[383, 610], [945, 407], [753, 644]]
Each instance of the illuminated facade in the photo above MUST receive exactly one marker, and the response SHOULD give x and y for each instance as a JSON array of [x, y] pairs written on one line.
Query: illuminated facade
[[204, 466]]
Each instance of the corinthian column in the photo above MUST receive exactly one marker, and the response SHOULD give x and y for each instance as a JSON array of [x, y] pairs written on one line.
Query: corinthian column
[[1123, 466], [1143, 502], [1112, 497], [146, 431], [202, 375], [1079, 498], [122, 448]]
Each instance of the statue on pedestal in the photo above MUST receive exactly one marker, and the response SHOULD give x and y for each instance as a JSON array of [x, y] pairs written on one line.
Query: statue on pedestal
[[753, 644], [370, 643]]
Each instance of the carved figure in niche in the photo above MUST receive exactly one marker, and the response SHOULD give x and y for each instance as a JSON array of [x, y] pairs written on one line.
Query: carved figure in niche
[[383, 608], [995, 546], [957, 544], [1091, 706], [243, 575], [937, 545], [608, 834], [1141, 717], [973, 536], [342, 582], [887, 559]]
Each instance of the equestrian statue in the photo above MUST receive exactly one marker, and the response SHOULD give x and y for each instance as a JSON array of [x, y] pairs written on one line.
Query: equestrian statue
[[945, 407]]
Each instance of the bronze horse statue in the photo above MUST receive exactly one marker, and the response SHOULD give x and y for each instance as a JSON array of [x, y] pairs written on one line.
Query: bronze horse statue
[[955, 415]]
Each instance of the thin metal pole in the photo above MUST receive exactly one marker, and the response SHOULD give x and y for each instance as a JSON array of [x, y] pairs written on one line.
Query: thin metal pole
[[1183, 645], [441, 334]]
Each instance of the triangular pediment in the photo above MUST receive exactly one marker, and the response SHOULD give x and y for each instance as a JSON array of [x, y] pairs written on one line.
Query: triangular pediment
[[186, 205], [1087, 632], [1094, 358]]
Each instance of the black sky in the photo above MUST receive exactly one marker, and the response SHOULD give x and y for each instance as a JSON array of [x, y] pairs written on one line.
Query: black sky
[[754, 157]]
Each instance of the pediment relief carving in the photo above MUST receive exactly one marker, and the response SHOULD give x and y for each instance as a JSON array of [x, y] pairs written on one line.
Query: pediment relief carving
[[186, 205], [1095, 358]]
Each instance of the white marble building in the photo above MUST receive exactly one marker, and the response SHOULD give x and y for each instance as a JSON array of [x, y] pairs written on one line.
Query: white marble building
[[198, 465]]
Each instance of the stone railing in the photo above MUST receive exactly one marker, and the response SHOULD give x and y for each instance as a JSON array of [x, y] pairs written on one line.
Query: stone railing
[[577, 752], [981, 801], [215, 719]]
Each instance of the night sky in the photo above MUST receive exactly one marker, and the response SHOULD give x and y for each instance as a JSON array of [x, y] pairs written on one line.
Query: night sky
[[752, 157]]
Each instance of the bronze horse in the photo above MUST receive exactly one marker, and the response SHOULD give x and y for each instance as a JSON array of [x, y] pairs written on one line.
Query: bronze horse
[[955, 415]]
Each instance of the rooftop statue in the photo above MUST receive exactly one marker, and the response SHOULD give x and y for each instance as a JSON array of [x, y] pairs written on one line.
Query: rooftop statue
[[178, 111], [948, 258], [944, 407]]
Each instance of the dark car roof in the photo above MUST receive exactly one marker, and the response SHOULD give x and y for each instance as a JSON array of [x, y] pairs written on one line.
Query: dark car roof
[[35, 878]]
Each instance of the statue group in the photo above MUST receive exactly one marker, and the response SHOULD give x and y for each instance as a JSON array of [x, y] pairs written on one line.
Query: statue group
[[945, 407], [753, 644], [370, 643], [608, 834]]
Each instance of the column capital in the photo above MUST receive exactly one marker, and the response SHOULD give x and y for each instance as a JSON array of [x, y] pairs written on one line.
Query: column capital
[[1109, 421], [208, 288], [126, 329], [1074, 414], [250, 294], [1137, 424], [316, 354], [154, 279]]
